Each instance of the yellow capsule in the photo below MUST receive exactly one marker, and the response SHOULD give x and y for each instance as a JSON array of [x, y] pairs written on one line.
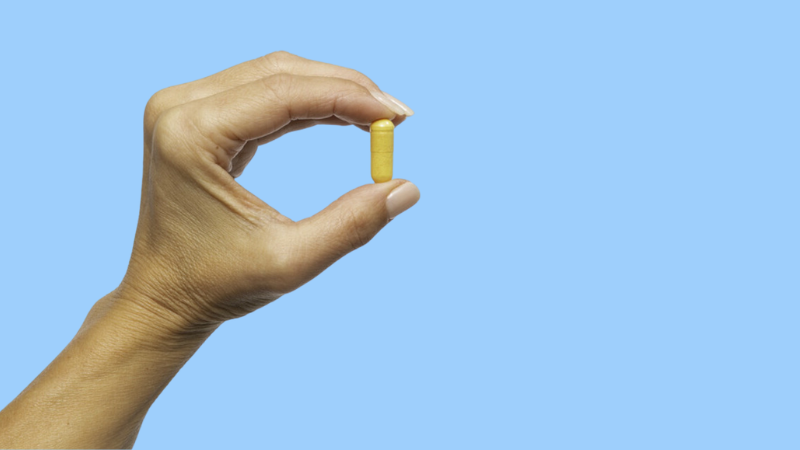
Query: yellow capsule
[[381, 134]]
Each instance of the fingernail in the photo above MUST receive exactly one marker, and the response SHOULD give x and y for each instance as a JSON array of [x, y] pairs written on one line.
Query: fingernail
[[408, 111], [395, 108], [401, 198]]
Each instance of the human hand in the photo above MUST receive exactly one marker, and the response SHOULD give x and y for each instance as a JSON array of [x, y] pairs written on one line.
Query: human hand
[[206, 250]]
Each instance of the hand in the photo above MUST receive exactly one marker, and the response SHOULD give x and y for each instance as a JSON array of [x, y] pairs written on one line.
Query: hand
[[207, 250]]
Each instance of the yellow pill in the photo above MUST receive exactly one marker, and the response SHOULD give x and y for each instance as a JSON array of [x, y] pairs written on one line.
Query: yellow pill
[[381, 136]]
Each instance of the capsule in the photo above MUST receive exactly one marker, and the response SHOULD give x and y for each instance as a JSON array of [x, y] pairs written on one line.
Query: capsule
[[381, 136]]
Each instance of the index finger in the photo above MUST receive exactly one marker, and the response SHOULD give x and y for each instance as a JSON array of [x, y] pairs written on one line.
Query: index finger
[[262, 67], [225, 121]]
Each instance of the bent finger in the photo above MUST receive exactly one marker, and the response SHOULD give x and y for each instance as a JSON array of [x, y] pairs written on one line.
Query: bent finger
[[243, 158], [249, 71], [226, 121]]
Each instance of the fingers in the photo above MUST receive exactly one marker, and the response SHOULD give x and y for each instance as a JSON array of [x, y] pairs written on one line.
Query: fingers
[[224, 122], [283, 62], [297, 125], [247, 153], [248, 72], [243, 158], [349, 223]]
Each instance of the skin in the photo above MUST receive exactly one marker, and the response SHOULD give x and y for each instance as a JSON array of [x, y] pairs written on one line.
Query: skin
[[206, 250]]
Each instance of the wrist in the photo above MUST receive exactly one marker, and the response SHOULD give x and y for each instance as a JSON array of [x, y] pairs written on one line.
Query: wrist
[[141, 321], [96, 393]]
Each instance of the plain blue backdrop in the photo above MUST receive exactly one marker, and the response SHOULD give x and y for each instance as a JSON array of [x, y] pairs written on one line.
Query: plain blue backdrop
[[605, 254]]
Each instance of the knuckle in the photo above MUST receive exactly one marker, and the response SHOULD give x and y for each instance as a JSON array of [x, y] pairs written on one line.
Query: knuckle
[[280, 58], [157, 104], [182, 134], [282, 55], [171, 120], [169, 132]]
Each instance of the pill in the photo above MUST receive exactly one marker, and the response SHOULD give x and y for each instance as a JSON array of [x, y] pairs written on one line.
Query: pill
[[381, 136]]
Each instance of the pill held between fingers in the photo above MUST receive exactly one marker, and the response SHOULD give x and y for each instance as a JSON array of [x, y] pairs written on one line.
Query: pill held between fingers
[[381, 134]]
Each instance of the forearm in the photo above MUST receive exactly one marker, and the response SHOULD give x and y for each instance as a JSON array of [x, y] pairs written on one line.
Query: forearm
[[98, 390]]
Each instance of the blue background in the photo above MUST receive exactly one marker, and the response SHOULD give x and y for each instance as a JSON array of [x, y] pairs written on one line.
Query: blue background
[[605, 254]]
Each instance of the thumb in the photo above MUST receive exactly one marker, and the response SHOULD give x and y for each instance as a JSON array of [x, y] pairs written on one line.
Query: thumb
[[350, 222]]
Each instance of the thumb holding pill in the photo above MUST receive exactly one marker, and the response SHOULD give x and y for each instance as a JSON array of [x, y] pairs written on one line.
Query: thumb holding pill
[[349, 223]]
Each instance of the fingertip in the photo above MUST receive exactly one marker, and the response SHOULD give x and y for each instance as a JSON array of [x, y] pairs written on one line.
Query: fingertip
[[381, 97], [401, 198], [396, 121], [406, 111]]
